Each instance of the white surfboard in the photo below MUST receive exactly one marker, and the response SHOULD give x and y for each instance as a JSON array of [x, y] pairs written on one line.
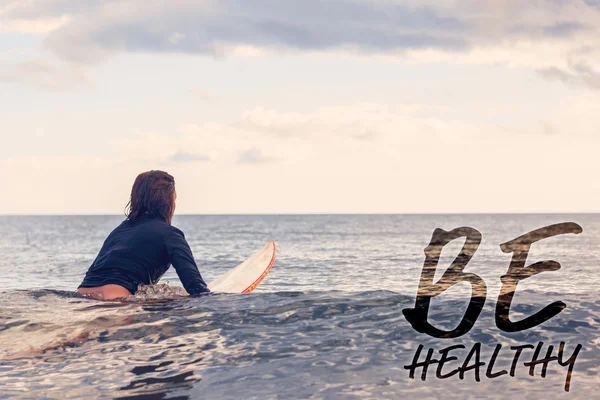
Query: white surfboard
[[248, 275]]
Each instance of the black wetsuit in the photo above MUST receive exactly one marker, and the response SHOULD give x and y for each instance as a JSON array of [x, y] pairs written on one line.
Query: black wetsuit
[[140, 252]]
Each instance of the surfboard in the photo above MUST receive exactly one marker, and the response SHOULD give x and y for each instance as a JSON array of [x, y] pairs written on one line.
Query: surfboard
[[248, 275]]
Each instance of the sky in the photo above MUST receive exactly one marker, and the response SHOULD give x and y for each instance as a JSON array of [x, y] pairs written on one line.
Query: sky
[[281, 106]]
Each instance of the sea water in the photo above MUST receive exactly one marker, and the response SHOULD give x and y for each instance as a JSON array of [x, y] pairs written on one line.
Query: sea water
[[327, 322]]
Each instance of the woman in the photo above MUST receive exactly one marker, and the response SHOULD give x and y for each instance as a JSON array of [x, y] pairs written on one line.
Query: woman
[[140, 250]]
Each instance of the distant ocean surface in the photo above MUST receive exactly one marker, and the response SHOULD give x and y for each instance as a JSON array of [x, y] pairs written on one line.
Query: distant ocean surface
[[326, 322]]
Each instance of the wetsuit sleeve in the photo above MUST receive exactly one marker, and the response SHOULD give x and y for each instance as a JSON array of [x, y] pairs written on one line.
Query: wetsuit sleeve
[[182, 259]]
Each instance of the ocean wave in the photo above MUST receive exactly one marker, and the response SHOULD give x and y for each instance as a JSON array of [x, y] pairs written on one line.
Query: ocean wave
[[353, 343]]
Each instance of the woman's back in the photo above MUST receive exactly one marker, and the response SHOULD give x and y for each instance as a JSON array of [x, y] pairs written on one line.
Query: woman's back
[[141, 248]]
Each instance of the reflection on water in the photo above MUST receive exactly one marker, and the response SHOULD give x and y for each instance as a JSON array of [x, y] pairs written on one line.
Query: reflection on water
[[326, 323], [296, 344]]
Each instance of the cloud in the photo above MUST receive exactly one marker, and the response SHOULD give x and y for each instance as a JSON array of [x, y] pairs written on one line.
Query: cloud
[[564, 29], [339, 138], [203, 95], [20, 17], [253, 156], [593, 3], [548, 128], [446, 165], [94, 30], [262, 135], [36, 26], [213, 27], [578, 75], [362, 121], [45, 75], [182, 156]]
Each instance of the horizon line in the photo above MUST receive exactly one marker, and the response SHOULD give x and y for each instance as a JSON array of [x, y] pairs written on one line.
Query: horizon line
[[307, 214]]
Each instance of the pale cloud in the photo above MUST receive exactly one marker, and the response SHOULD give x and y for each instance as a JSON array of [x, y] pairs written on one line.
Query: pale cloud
[[294, 137], [576, 75], [253, 156], [415, 161], [176, 38], [263, 135], [39, 73], [374, 133], [182, 156], [36, 26], [202, 94], [147, 147], [13, 21], [564, 29]]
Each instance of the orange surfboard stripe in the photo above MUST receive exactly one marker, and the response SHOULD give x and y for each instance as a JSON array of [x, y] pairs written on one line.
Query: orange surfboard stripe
[[266, 271]]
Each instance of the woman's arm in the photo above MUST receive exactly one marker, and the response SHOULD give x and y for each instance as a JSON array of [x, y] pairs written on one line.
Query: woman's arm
[[182, 259]]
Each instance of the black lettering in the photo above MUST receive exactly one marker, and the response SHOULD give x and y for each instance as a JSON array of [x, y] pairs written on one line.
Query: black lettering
[[444, 359], [570, 362], [517, 271], [544, 361], [490, 367], [475, 351], [417, 316], [425, 364], [518, 350]]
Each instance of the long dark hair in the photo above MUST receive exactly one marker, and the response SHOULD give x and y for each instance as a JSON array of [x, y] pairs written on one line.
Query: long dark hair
[[153, 194]]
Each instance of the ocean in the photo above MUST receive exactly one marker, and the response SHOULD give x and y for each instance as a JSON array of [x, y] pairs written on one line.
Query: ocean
[[327, 322]]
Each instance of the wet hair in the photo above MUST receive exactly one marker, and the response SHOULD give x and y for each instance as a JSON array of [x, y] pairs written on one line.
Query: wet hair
[[153, 193]]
